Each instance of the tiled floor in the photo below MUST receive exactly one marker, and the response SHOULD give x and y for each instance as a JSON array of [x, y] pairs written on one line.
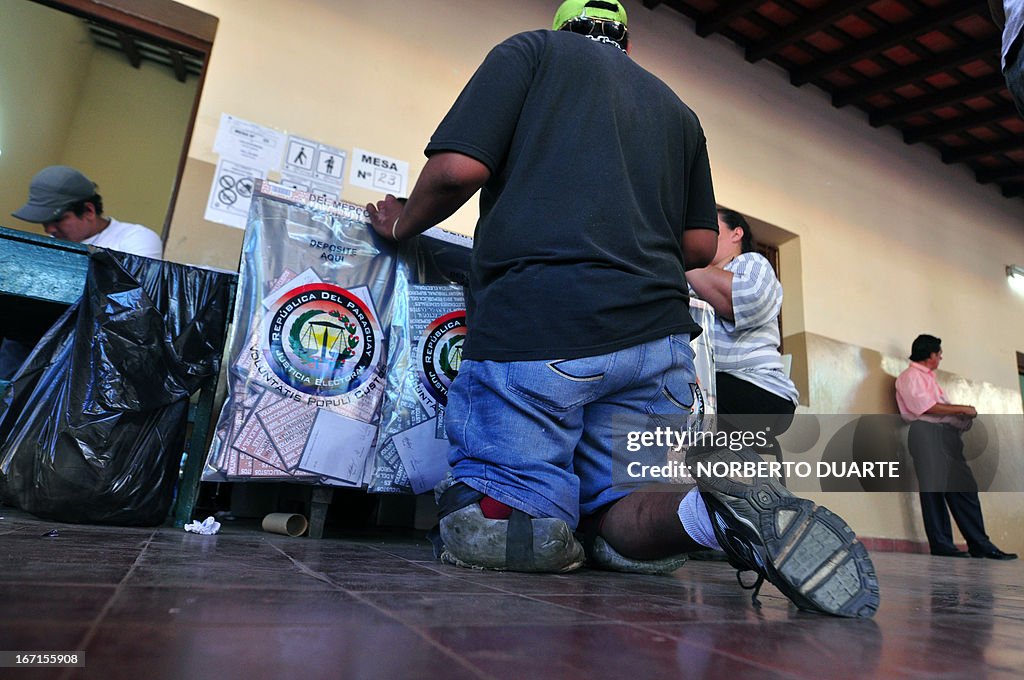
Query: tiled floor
[[160, 603]]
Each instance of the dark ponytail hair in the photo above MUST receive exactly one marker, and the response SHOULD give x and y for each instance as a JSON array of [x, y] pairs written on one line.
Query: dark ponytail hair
[[735, 220]]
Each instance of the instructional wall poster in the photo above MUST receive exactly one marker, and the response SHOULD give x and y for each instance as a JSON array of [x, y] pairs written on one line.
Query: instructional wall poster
[[231, 193], [249, 144], [249, 152]]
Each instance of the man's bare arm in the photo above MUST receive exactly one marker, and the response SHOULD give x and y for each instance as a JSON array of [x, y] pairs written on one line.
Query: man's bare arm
[[448, 180]]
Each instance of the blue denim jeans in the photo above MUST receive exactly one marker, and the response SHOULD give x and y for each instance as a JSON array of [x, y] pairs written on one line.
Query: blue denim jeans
[[539, 435]]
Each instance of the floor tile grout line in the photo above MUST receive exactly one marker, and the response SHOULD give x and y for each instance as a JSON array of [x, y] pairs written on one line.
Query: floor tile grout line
[[598, 619], [450, 653], [536, 597], [426, 565], [642, 626], [90, 632], [621, 590], [714, 650]]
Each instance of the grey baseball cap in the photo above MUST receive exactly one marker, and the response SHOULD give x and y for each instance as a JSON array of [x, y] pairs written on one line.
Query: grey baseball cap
[[52, 191]]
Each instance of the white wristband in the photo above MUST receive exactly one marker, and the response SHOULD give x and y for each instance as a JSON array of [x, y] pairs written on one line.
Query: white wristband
[[394, 227]]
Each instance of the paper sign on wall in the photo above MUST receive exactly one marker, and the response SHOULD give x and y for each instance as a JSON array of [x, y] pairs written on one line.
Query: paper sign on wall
[[249, 143], [313, 166], [318, 189], [380, 173], [231, 193], [300, 155]]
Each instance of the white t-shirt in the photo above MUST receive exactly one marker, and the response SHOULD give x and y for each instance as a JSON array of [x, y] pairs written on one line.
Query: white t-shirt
[[128, 238]]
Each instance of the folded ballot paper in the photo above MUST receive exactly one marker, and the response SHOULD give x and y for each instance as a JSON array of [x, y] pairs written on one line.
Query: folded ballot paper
[[308, 348]]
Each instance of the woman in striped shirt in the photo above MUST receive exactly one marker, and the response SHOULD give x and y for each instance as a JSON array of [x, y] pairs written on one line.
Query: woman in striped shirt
[[746, 295]]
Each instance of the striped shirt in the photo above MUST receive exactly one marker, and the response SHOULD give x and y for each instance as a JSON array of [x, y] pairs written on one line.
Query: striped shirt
[[747, 346], [1013, 30]]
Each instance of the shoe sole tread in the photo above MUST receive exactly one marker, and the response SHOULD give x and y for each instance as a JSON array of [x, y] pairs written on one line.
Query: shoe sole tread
[[809, 552]]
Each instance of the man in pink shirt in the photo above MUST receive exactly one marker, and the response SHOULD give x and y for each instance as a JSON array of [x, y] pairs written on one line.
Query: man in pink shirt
[[935, 442]]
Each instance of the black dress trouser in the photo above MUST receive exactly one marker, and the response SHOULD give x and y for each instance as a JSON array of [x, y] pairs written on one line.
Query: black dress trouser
[[947, 486]]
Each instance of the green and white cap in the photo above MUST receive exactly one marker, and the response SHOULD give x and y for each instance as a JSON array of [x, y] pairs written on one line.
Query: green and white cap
[[594, 9]]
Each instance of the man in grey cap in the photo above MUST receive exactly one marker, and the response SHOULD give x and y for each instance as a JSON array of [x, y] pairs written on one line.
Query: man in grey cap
[[65, 202]]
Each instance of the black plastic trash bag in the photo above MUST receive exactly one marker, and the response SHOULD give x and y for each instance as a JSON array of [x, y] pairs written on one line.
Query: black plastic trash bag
[[93, 427]]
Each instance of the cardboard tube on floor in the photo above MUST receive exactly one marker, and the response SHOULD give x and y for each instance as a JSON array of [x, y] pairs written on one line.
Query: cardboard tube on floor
[[285, 523]]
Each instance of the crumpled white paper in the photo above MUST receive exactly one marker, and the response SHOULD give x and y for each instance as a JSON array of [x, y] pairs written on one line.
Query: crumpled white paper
[[207, 527]]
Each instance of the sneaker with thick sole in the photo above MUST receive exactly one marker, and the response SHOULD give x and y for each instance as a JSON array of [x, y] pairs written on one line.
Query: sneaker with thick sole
[[600, 555], [520, 543], [806, 551]]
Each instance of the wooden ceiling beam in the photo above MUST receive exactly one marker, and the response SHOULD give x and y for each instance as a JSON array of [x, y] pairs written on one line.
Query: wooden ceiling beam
[[1013, 173], [972, 151], [178, 64], [944, 97], [960, 123], [899, 77], [805, 26], [883, 40], [130, 48], [716, 20], [188, 29], [1013, 191]]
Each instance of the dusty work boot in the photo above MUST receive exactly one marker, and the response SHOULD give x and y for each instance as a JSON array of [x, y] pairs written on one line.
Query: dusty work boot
[[519, 543], [601, 555], [806, 551]]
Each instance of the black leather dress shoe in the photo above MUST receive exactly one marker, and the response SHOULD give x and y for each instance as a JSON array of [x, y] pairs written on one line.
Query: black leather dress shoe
[[995, 554], [952, 553]]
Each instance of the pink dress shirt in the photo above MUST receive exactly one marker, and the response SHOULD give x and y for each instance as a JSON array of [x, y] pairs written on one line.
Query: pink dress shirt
[[917, 390]]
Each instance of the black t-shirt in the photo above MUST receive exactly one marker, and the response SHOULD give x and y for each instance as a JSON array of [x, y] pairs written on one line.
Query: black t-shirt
[[596, 168]]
